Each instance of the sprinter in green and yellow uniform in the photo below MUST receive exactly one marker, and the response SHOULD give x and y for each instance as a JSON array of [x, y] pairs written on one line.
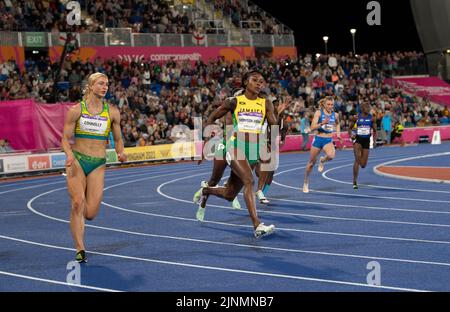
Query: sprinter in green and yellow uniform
[[91, 121], [249, 111]]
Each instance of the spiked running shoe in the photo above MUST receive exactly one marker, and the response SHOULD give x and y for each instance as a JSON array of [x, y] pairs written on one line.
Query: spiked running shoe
[[262, 198], [305, 188], [198, 194], [235, 203], [264, 230], [80, 257], [200, 215]]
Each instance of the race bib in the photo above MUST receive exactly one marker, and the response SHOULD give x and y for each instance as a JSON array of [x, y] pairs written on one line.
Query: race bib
[[249, 122], [93, 124], [363, 131], [328, 127]]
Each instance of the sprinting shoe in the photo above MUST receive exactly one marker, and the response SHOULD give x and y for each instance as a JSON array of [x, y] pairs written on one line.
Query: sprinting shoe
[[262, 198], [305, 188], [321, 165], [235, 203], [198, 194], [200, 215], [355, 186], [264, 230], [80, 257]]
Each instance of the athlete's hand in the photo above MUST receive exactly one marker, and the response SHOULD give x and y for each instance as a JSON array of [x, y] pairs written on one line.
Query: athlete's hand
[[69, 160], [122, 157], [341, 141], [202, 155]]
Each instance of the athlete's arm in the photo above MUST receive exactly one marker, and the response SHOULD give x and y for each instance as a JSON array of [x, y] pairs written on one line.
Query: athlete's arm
[[228, 105], [351, 124], [338, 127], [117, 134], [69, 128], [315, 123], [270, 113]]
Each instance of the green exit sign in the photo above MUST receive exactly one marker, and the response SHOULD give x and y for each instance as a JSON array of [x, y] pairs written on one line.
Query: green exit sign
[[35, 39]]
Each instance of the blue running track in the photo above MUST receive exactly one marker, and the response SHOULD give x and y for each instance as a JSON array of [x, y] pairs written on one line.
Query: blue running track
[[146, 237]]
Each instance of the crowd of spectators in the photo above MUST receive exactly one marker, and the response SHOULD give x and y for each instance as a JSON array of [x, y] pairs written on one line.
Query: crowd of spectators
[[248, 16], [142, 16], [146, 16], [153, 97]]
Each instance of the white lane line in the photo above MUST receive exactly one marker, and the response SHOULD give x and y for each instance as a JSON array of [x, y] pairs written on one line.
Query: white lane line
[[314, 203], [380, 173], [376, 186], [222, 269], [106, 180], [357, 195], [359, 206], [28, 277], [307, 231], [29, 205]]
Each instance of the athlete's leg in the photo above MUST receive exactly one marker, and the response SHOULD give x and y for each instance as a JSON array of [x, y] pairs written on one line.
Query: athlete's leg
[[219, 166], [314, 152], [94, 192], [234, 186], [76, 186], [269, 180], [330, 152], [357, 151], [364, 157], [242, 176], [262, 177]]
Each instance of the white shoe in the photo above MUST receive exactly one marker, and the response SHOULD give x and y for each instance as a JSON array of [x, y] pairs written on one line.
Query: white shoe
[[200, 215], [235, 204], [305, 188], [262, 198], [198, 194], [321, 165], [264, 230]]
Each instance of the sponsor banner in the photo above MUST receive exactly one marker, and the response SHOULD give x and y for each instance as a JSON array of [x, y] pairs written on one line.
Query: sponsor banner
[[111, 156], [176, 151], [15, 164], [157, 54], [39, 162], [1, 165], [58, 160]]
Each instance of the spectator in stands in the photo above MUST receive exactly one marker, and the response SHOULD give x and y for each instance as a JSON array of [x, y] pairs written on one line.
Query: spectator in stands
[[305, 129], [397, 132], [8, 147], [386, 123], [3, 146]]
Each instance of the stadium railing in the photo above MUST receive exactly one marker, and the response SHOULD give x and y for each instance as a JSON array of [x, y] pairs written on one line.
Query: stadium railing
[[124, 37]]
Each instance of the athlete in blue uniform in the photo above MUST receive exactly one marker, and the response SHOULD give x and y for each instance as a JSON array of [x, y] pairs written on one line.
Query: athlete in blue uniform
[[326, 122], [365, 127]]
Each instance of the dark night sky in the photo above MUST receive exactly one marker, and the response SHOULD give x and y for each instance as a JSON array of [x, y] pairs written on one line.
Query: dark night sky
[[313, 19]]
